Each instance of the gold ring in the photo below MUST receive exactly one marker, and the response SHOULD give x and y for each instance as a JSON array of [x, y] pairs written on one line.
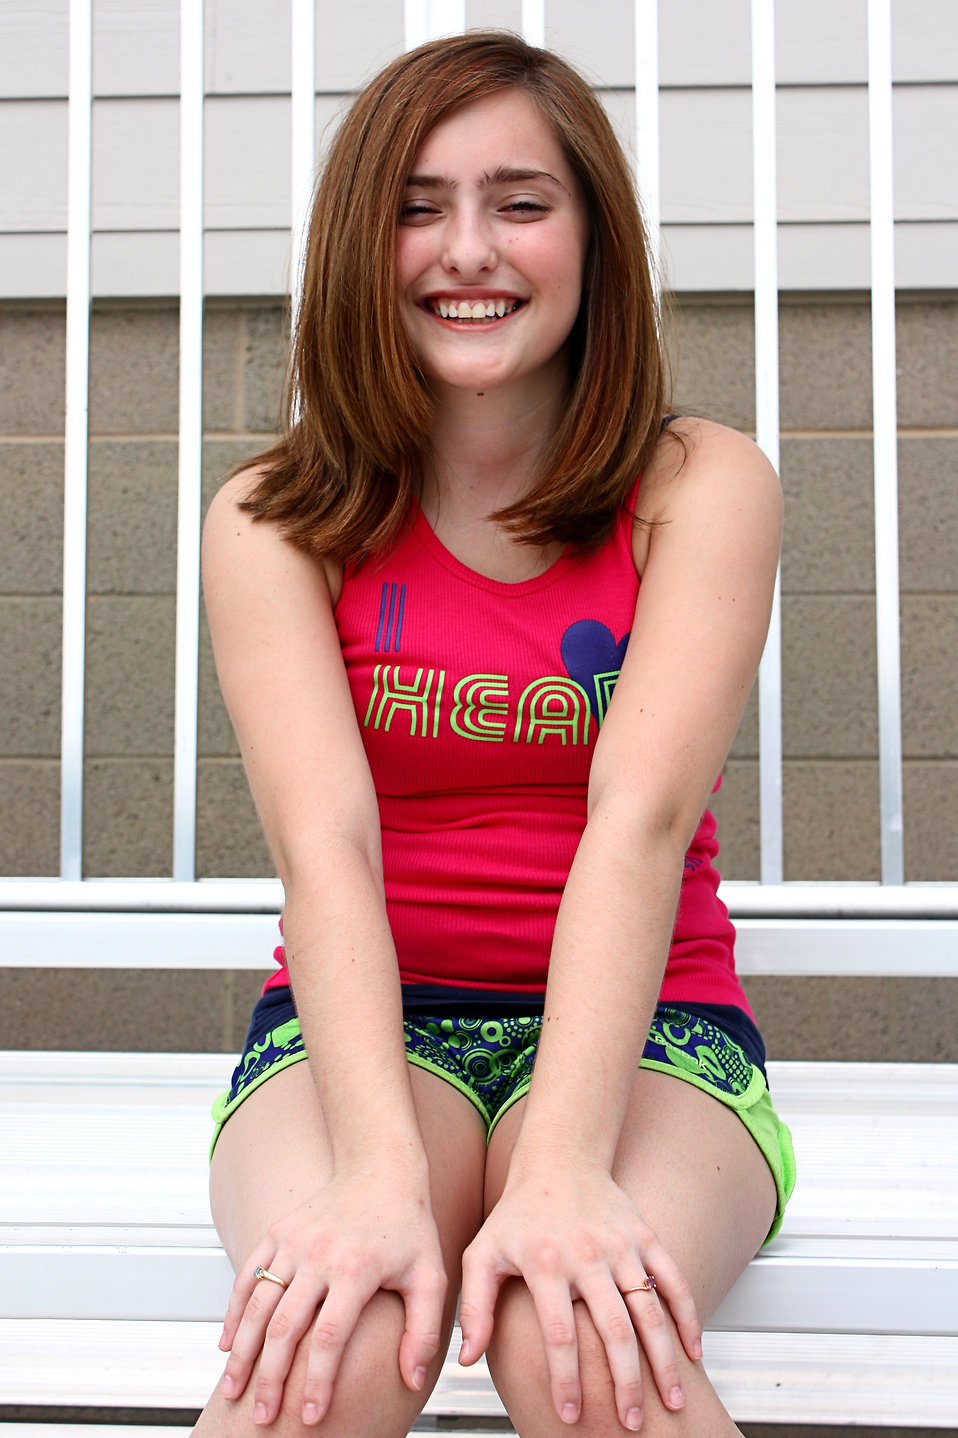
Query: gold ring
[[648, 1285], [261, 1272]]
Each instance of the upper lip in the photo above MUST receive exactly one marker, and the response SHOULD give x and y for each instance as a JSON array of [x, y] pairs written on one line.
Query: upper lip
[[472, 294]]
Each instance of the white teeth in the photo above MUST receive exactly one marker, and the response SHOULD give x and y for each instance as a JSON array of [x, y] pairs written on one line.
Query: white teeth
[[474, 309]]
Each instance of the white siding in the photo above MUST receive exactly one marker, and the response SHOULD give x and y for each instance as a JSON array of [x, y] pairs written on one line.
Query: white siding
[[706, 134]]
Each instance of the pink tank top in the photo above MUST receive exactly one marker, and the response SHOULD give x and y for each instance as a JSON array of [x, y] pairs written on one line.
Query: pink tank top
[[479, 704]]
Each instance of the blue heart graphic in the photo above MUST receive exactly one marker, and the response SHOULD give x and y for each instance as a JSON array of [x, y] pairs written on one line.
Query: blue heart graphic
[[588, 648]]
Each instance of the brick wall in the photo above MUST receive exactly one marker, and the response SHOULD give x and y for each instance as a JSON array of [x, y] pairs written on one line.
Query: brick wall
[[831, 773]]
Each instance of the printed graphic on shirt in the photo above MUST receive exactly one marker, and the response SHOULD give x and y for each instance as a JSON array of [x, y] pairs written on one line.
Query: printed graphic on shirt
[[390, 614], [592, 658], [491, 708]]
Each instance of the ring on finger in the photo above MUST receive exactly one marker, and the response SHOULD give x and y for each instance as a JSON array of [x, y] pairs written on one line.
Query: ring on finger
[[260, 1272], [648, 1285]]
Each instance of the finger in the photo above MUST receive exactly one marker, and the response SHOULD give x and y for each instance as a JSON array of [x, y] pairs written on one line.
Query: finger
[[288, 1325], [248, 1338], [481, 1282], [243, 1286], [334, 1326], [553, 1305], [673, 1286], [652, 1329], [613, 1322], [422, 1336]]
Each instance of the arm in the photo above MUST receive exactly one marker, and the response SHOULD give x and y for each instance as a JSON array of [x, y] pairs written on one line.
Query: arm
[[283, 679], [700, 623]]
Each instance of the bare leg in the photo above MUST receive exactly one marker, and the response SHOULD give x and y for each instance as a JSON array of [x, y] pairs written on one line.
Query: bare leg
[[271, 1155], [699, 1179]]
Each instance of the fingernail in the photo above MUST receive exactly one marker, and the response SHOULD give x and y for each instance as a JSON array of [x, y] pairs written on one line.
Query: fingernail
[[633, 1419], [570, 1413], [464, 1351], [310, 1413], [228, 1386], [259, 1413], [222, 1340], [419, 1377], [698, 1347], [676, 1398]]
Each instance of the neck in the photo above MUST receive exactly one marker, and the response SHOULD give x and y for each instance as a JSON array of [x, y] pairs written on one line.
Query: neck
[[486, 447]]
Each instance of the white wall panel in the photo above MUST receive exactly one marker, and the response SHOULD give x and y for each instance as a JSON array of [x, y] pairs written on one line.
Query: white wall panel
[[247, 42], [33, 165], [34, 49], [706, 132]]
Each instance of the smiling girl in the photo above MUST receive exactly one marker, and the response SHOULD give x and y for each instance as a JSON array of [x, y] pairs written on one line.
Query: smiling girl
[[485, 621]]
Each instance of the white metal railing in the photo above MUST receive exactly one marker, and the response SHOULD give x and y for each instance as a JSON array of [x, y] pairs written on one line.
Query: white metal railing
[[424, 18]]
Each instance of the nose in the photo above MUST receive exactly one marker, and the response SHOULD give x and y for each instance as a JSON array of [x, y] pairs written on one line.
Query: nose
[[469, 247]]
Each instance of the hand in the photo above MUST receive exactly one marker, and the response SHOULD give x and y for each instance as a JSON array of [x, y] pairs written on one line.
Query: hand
[[348, 1241], [579, 1236]]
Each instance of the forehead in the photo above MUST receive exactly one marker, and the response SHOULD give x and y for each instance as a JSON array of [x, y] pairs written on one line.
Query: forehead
[[503, 130]]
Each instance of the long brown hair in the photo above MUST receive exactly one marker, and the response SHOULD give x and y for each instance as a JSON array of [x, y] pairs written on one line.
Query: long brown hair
[[345, 474]]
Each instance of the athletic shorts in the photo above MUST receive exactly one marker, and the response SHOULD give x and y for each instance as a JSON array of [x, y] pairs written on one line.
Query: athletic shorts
[[490, 1059]]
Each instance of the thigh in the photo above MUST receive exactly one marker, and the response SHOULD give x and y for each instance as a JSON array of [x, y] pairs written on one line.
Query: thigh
[[701, 1182], [271, 1155]]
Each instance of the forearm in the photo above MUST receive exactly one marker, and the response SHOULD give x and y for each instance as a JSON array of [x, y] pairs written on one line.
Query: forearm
[[609, 952], [346, 984]]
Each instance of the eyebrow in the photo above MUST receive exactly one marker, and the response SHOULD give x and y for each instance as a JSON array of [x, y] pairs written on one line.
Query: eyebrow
[[503, 175]]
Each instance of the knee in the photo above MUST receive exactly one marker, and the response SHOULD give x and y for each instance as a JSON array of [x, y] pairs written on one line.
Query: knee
[[369, 1395], [517, 1360]]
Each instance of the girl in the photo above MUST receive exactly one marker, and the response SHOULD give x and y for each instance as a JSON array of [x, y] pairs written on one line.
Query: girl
[[485, 620]]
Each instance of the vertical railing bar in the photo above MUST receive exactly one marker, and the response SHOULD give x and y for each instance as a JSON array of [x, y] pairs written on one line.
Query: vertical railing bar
[[767, 425], [534, 22], [302, 138], [190, 439], [76, 436], [648, 174], [885, 429]]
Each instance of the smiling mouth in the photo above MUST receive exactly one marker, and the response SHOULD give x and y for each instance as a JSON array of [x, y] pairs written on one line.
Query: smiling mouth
[[472, 311]]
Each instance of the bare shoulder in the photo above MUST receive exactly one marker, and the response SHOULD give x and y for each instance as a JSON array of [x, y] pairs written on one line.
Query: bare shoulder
[[697, 456]]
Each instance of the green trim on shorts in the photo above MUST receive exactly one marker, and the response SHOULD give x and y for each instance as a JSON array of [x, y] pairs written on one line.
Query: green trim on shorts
[[490, 1062]]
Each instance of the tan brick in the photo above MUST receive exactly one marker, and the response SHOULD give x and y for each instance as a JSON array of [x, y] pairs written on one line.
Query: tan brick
[[931, 834], [230, 840], [929, 675], [32, 369], [714, 346], [130, 663], [30, 677], [825, 366], [134, 375], [863, 1020], [828, 680], [128, 818], [928, 363], [31, 517], [222, 367], [829, 515], [928, 513], [267, 345], [30, 831], [132, 524], [132, 1010], [831, 820]]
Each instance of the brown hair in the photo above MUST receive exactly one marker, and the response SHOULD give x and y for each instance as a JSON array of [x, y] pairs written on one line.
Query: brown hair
[[345, 474]]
